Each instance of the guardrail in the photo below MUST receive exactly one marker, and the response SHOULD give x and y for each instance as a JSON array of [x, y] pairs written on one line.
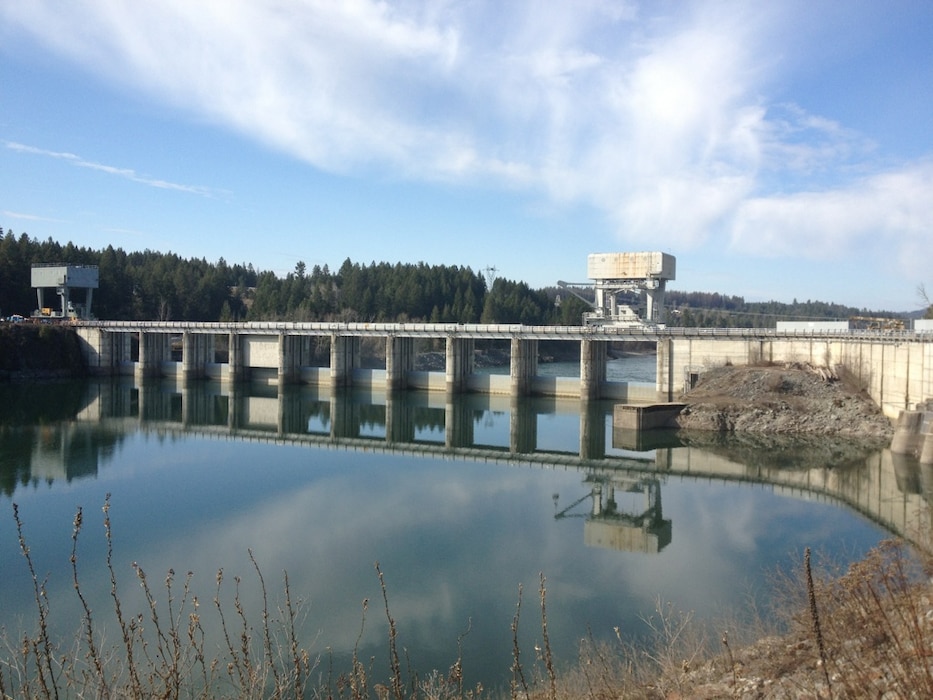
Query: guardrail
[[496, 331]]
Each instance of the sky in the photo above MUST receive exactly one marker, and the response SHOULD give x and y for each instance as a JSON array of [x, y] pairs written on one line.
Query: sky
[[779, 150]]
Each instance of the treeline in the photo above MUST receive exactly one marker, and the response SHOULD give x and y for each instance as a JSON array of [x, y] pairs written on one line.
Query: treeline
[[402, 292], [163, 286], [711, 310], [144, 286]]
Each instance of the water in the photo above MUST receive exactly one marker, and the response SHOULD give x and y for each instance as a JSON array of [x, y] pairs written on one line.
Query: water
[[460, 503], [631, 368]]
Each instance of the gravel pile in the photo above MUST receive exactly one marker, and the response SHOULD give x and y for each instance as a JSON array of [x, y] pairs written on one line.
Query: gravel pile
[[791, 399]]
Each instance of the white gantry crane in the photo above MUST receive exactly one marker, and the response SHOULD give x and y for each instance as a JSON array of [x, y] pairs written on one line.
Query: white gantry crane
[[615, 274]]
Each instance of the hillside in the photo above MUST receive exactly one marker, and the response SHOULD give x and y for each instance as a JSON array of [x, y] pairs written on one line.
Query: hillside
[[30, 351]]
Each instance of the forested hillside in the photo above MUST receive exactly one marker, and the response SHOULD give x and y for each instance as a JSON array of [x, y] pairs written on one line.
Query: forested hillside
[[711, 310], [163, 286]]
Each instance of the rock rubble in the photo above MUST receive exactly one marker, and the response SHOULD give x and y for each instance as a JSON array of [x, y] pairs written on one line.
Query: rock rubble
[[789, 399]]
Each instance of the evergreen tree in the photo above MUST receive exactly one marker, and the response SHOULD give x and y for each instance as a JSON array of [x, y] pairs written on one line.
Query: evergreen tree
[[148, 285]]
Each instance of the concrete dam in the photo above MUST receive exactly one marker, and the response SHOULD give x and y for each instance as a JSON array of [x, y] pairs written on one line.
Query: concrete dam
[[896, 368]]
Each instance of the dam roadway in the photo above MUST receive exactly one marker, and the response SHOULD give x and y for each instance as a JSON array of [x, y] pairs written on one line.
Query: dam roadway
[[895, 367]]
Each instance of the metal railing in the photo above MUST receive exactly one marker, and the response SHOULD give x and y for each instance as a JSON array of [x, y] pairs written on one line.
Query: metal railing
[[497, 331]]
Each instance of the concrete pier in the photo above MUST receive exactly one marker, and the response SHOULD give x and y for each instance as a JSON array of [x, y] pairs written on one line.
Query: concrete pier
[[459, 363], [523, 366], [344, 358], [913, 435], [593, 356], [154, 350], [197, 353], [400, 360]]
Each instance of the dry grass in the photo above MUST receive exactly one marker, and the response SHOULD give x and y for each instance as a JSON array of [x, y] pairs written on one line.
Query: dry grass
[[876, 626], [161, 652], [863, 632]]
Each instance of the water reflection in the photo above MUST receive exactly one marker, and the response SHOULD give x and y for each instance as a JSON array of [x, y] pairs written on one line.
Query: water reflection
[[43, 436], [302, 414], [640, 528], [63, 431], [460, 501]]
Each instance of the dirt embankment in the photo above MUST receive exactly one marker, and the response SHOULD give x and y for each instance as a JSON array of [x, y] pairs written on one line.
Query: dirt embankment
[[792, 398], [39, 351]]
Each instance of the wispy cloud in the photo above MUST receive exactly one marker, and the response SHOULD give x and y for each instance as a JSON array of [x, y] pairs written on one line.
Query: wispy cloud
[[126, 173], [661, 121], [23, 148], [29, 217]]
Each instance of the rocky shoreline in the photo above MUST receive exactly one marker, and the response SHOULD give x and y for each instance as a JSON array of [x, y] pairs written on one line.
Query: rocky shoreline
[[834, 420], [782, 399]]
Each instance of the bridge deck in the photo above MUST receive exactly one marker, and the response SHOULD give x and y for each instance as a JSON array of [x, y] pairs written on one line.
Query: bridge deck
[[493, 331]]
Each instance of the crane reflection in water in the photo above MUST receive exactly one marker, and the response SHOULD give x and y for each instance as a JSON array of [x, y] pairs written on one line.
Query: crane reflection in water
[[640, 527]]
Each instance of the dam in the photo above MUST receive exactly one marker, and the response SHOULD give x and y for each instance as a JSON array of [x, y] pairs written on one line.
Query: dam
[[894, 367]]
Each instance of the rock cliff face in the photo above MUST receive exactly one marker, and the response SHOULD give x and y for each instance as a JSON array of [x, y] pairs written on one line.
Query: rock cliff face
[[35, 351], [792, 399]]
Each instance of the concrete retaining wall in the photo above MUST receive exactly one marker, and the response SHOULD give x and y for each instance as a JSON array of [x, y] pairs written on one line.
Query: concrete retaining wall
[[649, 417]]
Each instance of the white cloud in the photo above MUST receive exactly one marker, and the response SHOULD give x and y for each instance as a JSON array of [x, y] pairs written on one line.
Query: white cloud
[[805, 144], [663, 122], [318, 79], [28, 217], [669, 142], [32, 150], [890, 212], [126, 173]]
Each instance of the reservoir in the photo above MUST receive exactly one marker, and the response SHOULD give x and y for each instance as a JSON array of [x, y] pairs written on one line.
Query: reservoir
[[461, 501]]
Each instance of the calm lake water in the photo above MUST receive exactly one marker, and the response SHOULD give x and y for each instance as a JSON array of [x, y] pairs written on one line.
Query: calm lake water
[[460, 502]]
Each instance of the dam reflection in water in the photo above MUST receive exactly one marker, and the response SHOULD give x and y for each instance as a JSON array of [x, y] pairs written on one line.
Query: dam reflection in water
[[300, 413], [623, 510], [622, 472], [459, 499]]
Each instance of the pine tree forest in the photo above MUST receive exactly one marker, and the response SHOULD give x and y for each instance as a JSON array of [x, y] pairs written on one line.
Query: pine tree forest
[[151, 285]]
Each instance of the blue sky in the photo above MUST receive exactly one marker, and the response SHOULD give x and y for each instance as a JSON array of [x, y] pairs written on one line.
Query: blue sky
[[779, 150]]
